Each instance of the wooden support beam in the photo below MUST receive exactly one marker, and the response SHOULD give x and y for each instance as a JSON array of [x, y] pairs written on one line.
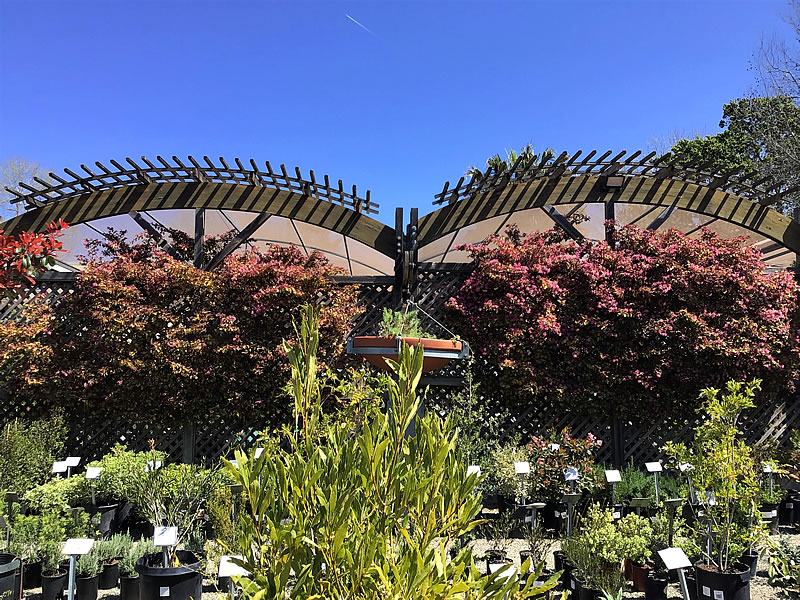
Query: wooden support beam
[[610, 215], [399, 259], [241, 237], [199, 234], [659, 220], [154, 233], [563, 222]]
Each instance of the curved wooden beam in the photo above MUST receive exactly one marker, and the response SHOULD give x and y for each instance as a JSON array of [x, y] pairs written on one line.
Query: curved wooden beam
[[636, 189], [292, 204]]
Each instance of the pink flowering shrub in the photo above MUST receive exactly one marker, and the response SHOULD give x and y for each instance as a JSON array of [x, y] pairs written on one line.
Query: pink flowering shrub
[[550, 457], [151, 339], [636, 329]]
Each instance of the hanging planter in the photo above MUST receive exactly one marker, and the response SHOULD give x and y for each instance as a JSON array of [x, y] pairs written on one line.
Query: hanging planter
[[437, 352]]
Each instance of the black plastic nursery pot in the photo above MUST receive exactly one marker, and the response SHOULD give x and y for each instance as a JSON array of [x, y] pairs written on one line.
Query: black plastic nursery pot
[[713, 585], [691, 583], [32, 575], [655, 586], [788, 510], [10, 577], [750, 560], [129, 588], [109, 576], [176, 583], [769, 515], [53, 586], [86, 587], [639, 575], [496, 559]]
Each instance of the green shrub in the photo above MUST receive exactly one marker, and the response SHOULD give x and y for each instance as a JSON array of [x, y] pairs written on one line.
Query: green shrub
[[38, 538], [120, 466], [88, 565], [59, 494], [637, 538], [597, 548], [28, 450], [127, 566]]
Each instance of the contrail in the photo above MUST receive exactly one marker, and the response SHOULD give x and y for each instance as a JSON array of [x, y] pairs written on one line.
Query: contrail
[[359, 24]]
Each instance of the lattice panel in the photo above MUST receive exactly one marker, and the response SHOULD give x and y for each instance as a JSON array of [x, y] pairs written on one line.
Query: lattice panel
[[50, 291]]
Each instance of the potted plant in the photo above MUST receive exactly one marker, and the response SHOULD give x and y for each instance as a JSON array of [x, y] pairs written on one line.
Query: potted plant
[[398, 327], [54, 576], [595, 550], [109, 552], [128, 577], [637, 534], [725, 479], [498, 536], [10, 576], [87, 575], [175, 496]]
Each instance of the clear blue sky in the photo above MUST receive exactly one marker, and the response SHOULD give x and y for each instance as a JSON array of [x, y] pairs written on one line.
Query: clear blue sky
[[409, 99]]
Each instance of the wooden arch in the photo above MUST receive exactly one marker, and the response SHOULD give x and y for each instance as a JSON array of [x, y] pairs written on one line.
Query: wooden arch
[[106, 192], [669, 182]]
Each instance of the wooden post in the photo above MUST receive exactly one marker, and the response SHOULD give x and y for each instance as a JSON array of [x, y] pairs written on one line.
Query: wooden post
[[399, 259], [618, 442], [796, 217], [188, 443], [610, 216], [412, 252], [199, 233]]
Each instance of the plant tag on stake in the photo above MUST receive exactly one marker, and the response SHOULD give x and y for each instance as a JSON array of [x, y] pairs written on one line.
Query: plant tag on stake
[[613, 476], [522, 468], [555, 447], [674, 558], [230, 569], [476, 469], [77, 546], [152, 466], [718, 595], [653, 467], [165, 536], [93, 472], [60, 466], [571, 474], [73, 461], [767, 468], [685, 467]]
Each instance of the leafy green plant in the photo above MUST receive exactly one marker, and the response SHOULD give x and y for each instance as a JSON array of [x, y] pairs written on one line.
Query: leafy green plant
[[220, 509], [58, 494], [637, 536], [539, 545], [38, 538], [784, 567], [88, 565], [366, 514], [140, 548], [28, 450], [597, 548], [119, 467], [110, 549], [401, 323], [551, 456], [724, 473], [505, 479], [498, 535]]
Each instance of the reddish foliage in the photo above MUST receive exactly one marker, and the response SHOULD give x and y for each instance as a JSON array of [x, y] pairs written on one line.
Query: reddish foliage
[[26, 255], [638, 329]]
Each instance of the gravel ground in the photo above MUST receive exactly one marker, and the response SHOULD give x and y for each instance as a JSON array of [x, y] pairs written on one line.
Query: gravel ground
[[759, 588]]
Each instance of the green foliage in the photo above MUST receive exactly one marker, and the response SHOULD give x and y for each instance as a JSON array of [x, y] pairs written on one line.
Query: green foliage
[[38, 538], [113, 548], [497, 532], [401, 323], [58, 494], [526, 156], [368, 513], [28, 450], [120, 466], [127, 566], [220, 508], [174, 495], [597, 548], [724, 473], [784, 567], [88, 565], [504, 478], [539, 544], [637, 538]]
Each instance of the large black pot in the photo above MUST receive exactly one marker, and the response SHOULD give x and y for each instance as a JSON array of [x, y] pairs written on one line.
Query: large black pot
[[53, 586], [751, 562], [769, 515], [10, 577], [129, 588], [787, 511], [86, 587], [109, 576], [180, 583], [732, 586], [655, 587], [31, 575], [691, 583]]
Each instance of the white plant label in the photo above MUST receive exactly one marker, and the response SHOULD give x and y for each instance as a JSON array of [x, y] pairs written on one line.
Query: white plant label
[[73, 461], [538, 583], [718, 595], [613, 476], [767, 468], [60, 466], [653, 467], [616, 516], [555, 447], [685, 467], [571, 474], [675, 558], [165, 536], [522, 468], [230, 569], [93, 472], [706, 591], [476, 469], [259, 452], [163, 591], [77, 546], [152, 466]]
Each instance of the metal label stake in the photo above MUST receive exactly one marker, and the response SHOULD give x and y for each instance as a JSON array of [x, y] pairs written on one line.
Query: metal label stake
[[675, 559], [654, 468], [74, 548]]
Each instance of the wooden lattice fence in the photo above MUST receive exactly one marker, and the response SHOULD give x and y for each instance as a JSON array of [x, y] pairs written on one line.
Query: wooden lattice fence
[[197, 442]]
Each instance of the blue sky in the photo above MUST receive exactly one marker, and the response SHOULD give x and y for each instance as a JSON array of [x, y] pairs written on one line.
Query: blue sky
[[408, 99]]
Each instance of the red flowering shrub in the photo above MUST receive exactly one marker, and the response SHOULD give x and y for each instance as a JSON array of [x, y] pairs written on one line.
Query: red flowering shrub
[[551, 457], [637, 329], [148, 338], [24, 256]]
